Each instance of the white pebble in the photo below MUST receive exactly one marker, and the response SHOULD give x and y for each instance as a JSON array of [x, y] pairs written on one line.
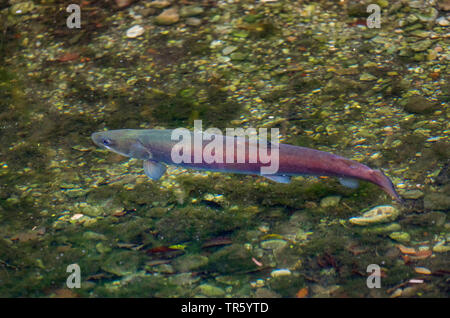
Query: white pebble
[[135, 31]]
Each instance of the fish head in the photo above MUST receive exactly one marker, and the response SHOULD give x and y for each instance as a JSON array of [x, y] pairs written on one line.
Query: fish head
[[126, 142]]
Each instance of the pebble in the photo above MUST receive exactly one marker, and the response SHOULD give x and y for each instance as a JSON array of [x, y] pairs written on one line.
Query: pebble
[[22, 7], [210, 290], [168, 17], [273, 244], [193, 21], [401, 237], [330, 201], [422, 270], [412, 194], [379, 214], [159, 4], [135, 31], [367, 77], [436, 201], [190, 11], [421, 46], [76, 216], [229, 49], [440, 247], [419, 105], [280, 272]]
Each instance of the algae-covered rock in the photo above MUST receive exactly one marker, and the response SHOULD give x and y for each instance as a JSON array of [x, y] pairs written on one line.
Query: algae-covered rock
[[274, 244], [401, 237], [419, 105], [168, 17], [210, 290], [436, 201], [330, 201], [189, 262], [379, 214], [122, 263], [232, 258]]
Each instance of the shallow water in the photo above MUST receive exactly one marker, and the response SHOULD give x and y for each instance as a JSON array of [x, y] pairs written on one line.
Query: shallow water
[[314, 70]]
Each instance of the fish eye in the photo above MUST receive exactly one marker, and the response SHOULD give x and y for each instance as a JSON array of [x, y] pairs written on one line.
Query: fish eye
[[107, 142]]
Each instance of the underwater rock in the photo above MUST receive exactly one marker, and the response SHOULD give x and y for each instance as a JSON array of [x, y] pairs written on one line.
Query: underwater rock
[[421, 46], [280, 272], [168, 17], [273, 244], [189, 262], [330, 201], [121, 263], [412, 194], [230, 259], [380, 229], [419, 105], [436, 201], [190, 11], [135, 31], [159, 4], [193, 21], [401, 237], [379, 214], [367, 77], [22, 7], [210, 290]]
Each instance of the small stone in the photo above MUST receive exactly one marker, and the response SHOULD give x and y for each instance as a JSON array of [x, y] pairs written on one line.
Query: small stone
[[76, 216], [367, 77], [330, 201], [273, 244], [189, 262], [189, 11], [238, 56], [89, 235], [193, 21], [412, 194], [210, 290], [229, 49], [380, 229], [436, 201], [135, 31], [102, 248], [22, 8], [419, 105], [122, 263], [422, 270], [421, 46], [123, 3], [159, 4], [401, 237], [379, 214], [440, 247], [168, 17], [280, 272]]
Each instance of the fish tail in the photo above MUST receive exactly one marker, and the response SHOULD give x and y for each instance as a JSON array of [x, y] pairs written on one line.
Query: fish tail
[[386, 184]]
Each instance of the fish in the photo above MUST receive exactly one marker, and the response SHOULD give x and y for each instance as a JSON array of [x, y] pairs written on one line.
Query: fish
[[160, 147]]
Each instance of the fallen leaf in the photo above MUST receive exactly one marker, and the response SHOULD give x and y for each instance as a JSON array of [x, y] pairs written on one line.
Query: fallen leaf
[[302, 293], [406, 250]]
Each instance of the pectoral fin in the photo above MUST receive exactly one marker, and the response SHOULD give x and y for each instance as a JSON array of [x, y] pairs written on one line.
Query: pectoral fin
[[279, 179], [349, 183], [154, 170]]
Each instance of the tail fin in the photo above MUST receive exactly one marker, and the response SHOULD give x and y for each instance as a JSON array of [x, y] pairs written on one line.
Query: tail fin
[[379, 178]]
